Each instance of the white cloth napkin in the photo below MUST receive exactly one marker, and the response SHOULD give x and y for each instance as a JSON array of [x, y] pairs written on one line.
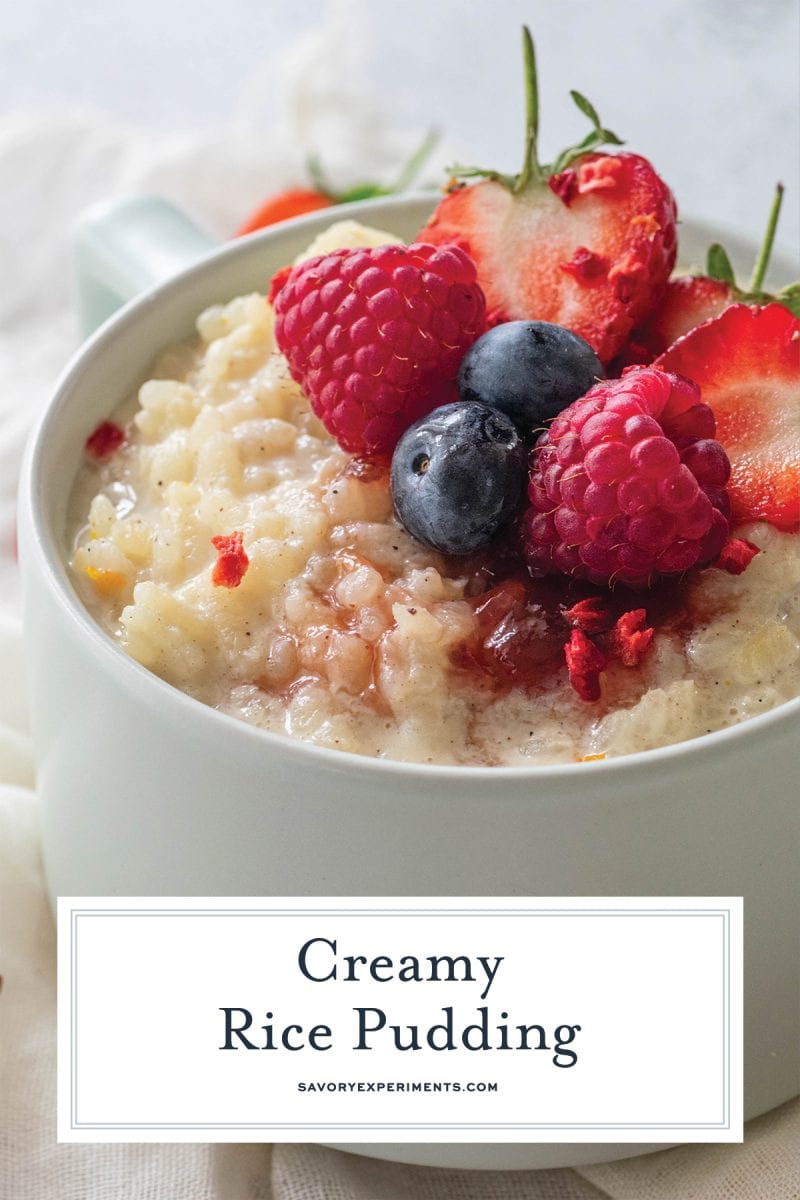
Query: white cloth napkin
[[53, 168]]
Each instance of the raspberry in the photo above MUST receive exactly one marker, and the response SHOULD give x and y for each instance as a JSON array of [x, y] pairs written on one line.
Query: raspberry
[[628, 484], [375, 337]]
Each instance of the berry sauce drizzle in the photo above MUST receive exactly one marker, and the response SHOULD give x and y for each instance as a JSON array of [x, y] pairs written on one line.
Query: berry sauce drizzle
[[523, 624]]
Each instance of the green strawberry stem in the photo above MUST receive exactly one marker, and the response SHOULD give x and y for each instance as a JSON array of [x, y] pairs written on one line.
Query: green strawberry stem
[[531, 170], [718, 266], [762, 262], [534, 173]]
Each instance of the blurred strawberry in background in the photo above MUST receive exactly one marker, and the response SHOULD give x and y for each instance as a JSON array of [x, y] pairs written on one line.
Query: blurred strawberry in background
[[295, 201]]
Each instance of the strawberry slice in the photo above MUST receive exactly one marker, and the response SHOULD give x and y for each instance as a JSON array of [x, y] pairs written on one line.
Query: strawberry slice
[[747, 364], [587, 242], [689, 300]]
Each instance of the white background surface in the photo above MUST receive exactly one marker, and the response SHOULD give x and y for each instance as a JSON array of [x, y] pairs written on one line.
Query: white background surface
[[706, 88]]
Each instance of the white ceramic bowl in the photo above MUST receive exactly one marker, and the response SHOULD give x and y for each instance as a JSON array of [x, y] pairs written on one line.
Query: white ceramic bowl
[[147, 792]]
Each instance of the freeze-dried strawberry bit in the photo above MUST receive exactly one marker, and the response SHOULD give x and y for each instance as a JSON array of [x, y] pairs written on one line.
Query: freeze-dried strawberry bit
[[590, 615], [631, 637], [232, 561], [615, 497], [104, 441], [585, 661], [736, 555]]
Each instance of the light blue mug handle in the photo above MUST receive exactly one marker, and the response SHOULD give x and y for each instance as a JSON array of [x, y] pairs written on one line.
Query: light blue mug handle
[[124, 247]]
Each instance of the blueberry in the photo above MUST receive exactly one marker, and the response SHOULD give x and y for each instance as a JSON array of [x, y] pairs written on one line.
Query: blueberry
[[457, 476], [530, 370]]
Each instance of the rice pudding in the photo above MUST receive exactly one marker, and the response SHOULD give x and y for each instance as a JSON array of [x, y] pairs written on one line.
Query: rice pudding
[[344, 630]]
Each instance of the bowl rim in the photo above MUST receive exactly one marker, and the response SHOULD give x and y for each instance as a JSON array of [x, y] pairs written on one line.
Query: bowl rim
[[140, 681]]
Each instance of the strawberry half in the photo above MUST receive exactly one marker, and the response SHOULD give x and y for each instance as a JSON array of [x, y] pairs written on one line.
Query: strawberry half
[[587, 242], [689, 300], [747, 364]]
